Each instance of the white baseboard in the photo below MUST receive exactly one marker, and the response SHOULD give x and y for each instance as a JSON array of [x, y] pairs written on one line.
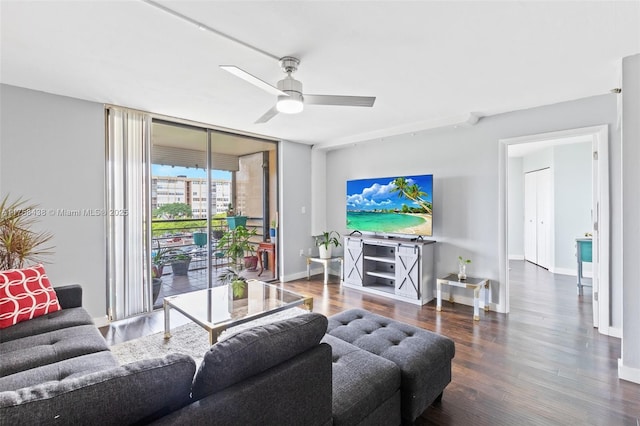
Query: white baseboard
[[570, 271], [614, 332], [516, 257], [497, 307], [292, 277], [629, 374], [303, 275], [101, 321], [563, 271]]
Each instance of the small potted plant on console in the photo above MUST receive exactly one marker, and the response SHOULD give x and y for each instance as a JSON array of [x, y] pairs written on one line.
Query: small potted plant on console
[[325, 241]]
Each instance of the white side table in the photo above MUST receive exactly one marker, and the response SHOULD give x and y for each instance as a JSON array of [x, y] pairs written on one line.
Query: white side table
[[479, 285], [325, 264]]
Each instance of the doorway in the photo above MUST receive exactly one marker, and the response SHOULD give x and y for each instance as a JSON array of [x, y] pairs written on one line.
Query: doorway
[[593, 219]]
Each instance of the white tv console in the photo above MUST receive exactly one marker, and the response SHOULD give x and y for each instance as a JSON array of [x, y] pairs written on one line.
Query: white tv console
[[399, 268]]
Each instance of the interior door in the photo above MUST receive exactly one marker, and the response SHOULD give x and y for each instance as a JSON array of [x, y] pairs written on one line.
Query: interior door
[[530, 218], [537, 211], [543, 216]]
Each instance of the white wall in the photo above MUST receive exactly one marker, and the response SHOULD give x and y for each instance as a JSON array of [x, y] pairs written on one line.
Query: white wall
[[630, 362], [464, 162], [572, 202], [295, 209], [53, 154], [515, 218], [318, 191], [538, 160]]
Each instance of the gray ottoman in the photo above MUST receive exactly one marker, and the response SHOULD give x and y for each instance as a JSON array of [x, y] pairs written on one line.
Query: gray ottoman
[[424, 357], [366, 388]]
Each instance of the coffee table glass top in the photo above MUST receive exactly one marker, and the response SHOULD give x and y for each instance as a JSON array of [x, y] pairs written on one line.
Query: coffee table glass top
[[216, 310]]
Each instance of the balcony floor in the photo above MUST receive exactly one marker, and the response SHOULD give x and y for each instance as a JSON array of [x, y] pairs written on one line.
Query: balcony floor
[[197, 280]]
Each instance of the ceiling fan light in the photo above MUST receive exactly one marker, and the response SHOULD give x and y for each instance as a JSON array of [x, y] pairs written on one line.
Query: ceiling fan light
[[289, 104]]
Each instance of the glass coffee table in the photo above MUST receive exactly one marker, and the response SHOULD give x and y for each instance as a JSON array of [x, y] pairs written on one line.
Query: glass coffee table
[[215, 309]]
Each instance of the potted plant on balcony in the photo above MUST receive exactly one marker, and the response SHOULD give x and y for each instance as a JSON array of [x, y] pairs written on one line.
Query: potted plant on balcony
[[180, 263], [18, 242], [325, 241], [236, 245], [238, 283], [159, 258], [178, 260], [235, 219], [156, 282]]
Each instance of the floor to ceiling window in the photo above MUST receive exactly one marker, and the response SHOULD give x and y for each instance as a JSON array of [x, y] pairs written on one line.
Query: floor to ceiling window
[[192, 195], [183, 185]]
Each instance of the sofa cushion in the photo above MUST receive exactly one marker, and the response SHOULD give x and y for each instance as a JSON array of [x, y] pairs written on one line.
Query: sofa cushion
[[294, 393], [134, 393], [62, 319], [361, 383], [25, 294], [255, 350], [68, 368], [48, 348], [69, 296]]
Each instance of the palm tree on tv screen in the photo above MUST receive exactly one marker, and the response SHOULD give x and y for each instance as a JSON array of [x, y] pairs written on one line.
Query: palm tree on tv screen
[[412, 192]]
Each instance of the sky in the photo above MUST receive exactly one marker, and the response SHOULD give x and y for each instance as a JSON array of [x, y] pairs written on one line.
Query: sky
[[370, 194], [192, 172]]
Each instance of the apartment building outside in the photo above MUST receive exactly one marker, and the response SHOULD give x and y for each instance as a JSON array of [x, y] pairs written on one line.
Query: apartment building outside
[[191, 191]]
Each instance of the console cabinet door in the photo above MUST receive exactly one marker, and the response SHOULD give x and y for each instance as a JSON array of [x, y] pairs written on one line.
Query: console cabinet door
[[408, 271], [353, 261]]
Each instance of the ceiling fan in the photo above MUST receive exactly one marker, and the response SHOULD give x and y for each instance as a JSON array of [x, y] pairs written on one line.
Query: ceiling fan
[[291, 100]]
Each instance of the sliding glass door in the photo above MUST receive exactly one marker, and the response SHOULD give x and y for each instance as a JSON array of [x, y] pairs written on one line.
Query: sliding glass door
[[200, 178], [181, 185]]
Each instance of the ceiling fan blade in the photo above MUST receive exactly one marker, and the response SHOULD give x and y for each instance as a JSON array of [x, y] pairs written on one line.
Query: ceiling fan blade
[[238, 72], [361, 101], [267, 115]]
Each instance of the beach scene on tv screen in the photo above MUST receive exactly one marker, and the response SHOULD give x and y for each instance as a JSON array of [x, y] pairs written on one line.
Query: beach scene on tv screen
[[393, 205]]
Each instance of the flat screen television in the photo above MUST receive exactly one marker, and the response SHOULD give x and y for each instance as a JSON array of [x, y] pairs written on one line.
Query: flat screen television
[[391, 205]]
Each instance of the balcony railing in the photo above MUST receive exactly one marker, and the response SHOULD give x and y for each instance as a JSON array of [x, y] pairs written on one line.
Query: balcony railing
[[175, 238]]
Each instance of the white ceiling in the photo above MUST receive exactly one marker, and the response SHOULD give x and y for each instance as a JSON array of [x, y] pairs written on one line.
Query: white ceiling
[[429, 63]]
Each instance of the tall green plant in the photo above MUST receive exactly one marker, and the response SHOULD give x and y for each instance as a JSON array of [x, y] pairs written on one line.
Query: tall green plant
[[18, 242], [236, 242]]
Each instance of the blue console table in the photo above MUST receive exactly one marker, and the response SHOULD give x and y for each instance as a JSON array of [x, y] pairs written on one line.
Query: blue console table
[[584, 254]]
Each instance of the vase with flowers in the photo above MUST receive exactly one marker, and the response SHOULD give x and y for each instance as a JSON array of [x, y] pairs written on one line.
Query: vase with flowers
[[462, 267]]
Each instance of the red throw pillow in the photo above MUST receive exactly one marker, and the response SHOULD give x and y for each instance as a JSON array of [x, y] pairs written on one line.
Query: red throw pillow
[[25, 294]]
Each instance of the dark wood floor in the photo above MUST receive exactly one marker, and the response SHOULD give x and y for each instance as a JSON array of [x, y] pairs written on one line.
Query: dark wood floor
[[542, 364]]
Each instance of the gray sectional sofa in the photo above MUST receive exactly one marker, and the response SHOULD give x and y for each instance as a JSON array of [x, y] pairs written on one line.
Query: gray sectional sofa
[[355, 368]]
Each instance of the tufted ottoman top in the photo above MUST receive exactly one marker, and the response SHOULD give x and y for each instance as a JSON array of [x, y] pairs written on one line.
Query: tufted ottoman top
[[390, 339], [424, 357]]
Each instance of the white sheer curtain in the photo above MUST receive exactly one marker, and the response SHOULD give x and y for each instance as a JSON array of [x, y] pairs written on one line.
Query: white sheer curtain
[[128, 212]]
